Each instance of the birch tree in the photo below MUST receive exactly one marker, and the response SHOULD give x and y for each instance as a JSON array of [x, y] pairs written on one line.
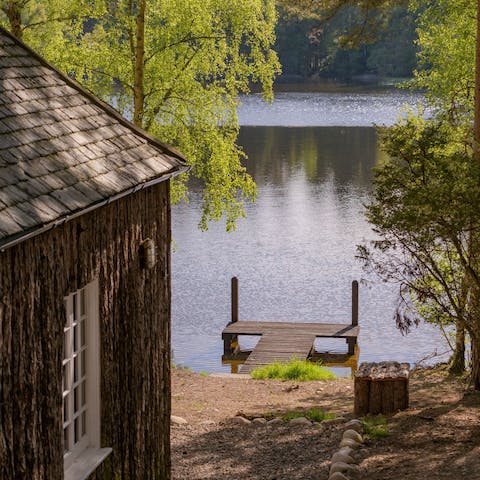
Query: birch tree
[[175, 67]]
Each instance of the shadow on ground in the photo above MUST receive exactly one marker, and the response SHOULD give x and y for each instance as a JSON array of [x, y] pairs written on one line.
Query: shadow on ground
[[253, 452], [439, 437]]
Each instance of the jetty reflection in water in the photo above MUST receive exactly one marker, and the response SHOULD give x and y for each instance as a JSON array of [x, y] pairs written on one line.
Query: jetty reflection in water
[[330, 360]]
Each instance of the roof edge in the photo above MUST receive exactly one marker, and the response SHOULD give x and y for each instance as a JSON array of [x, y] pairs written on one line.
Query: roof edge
[[97, 101], [26, 235]]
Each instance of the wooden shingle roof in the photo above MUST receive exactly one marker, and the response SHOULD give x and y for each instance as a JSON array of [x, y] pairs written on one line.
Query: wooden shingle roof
[[63, 151]]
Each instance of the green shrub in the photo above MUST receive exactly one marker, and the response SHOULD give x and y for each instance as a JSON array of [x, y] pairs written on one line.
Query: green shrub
[[301, 371]]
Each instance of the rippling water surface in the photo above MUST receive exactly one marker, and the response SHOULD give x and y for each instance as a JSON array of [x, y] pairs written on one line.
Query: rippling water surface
[[294, 254], [298, 109]]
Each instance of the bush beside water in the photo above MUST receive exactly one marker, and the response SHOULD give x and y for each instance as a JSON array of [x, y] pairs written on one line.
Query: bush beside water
[[298, 370]]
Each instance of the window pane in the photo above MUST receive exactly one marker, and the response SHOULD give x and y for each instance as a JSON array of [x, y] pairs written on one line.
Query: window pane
[[66, 377], [75, 369], [75, 338], [75, 400], [84, 396], [83, 355], [65, 409], [82, 334], [66, 446], [75, 314], [66, 341], [82, 302], [77, 431], [84, 423]]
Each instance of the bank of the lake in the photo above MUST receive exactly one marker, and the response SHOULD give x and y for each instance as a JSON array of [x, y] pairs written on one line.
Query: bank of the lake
[[438, 437]]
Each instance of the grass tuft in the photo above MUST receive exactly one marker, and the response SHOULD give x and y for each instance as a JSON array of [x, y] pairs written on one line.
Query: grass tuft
[[298, 370], [314, 414], [179, 366], [375, 426]]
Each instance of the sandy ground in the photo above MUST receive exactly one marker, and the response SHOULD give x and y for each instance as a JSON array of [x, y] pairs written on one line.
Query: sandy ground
[[437, 437]]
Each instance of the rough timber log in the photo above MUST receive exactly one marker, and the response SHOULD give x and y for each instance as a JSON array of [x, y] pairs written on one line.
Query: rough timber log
[[381, 388]]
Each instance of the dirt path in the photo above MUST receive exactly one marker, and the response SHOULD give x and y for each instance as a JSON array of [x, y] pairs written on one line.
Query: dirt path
[[438, 437]]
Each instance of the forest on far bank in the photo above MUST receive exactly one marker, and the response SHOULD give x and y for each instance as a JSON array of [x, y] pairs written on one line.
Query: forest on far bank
[[309, 50]]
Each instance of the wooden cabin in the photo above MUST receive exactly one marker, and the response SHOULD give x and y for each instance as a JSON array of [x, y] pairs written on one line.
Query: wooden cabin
[[84, 282]]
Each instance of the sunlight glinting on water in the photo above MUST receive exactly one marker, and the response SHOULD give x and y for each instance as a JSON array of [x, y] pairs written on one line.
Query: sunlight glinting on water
[[326, 109]]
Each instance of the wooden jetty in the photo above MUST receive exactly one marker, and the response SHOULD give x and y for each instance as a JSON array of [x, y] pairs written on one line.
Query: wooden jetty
[[281, 341]]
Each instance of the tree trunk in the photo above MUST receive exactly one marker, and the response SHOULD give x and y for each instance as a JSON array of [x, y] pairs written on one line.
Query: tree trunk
[[457, 362], [475, 373], [13, 13], [138, 81], [476, 121], [475, 328]]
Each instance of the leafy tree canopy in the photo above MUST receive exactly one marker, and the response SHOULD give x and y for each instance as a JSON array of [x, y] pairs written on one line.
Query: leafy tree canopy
[[370, 15], [307, 47], [447, 31], [175, 66]]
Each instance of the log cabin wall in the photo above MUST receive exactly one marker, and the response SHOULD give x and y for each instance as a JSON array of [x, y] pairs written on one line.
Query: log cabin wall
[[35, 276]]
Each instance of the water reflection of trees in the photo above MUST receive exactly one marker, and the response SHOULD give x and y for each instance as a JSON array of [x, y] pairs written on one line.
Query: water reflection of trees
[[276, 153]]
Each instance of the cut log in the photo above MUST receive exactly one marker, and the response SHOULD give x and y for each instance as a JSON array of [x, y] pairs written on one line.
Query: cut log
[[381, 388]]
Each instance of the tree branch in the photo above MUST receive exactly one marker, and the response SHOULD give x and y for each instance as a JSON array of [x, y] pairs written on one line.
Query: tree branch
[[187, 39], [49, 20]]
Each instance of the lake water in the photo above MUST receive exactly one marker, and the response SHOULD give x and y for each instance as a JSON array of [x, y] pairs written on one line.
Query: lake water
[[306, 109], [294, 254]]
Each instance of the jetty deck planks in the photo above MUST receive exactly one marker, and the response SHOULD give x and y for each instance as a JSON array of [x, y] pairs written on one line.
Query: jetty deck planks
[[280, 341]]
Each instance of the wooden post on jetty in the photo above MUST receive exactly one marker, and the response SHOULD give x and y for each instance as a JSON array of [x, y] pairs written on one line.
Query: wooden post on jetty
[[230, 342], [354, 303], [234, 291], [353, 341]]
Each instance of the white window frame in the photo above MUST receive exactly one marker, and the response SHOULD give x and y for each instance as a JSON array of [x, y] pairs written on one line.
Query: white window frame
[[81, 385]]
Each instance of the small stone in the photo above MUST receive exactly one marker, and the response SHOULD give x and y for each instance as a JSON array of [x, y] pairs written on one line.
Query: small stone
[[341, 457], [333, 422], [300, 421], [337, 476], [345, 468], [259, 421], [352, 434], [178, 420], [347, 451], [348, 442], [275, 421], [207, 422], [238, 420], [354, 424], [363, 452]]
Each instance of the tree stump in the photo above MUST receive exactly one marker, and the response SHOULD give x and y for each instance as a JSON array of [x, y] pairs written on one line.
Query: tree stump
[[381, 388]]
